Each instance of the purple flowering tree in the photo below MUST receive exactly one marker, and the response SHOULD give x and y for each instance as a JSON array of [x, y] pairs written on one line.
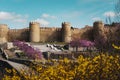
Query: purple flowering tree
[[81, 43], [29, 51], [75, 44]]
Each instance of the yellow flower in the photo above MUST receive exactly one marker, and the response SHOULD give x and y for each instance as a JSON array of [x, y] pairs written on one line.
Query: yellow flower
[[116, 47]]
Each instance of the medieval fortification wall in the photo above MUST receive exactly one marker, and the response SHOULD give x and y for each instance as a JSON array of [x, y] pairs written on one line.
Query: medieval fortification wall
[[36, 33]]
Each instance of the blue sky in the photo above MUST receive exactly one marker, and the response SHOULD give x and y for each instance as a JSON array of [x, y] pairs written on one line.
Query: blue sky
[[18, 13]]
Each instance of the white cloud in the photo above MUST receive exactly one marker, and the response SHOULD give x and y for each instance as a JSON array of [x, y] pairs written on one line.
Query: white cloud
[[109, 14], [96, 19], [48, 16], [13, 17], [42, 21], [6, 16]]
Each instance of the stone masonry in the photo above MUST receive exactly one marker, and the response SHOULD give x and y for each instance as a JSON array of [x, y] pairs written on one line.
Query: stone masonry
[[36, 33]]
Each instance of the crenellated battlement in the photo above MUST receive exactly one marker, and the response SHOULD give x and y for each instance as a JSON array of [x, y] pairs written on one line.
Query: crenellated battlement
[[66, 23], [33, 22], [50, 29], [3, 25], [13, 30], [18, 30]]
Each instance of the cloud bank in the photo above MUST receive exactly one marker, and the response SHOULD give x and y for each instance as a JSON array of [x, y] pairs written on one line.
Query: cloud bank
[[45, 18], [13, 17]]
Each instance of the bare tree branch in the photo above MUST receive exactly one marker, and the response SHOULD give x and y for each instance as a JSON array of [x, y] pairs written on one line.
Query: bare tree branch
[[117, 11]]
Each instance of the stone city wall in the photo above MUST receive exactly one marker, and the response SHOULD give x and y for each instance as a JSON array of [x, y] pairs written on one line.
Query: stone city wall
[[36, 33], [50, 34], [18, 34]]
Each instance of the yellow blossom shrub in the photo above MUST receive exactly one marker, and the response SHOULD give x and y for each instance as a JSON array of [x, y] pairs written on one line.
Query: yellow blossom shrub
[[103, 66]]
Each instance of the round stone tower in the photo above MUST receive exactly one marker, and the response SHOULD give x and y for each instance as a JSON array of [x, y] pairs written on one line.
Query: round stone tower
[[3, 33], [34, 31], [98, 28], [66, 32], [98, 25]]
